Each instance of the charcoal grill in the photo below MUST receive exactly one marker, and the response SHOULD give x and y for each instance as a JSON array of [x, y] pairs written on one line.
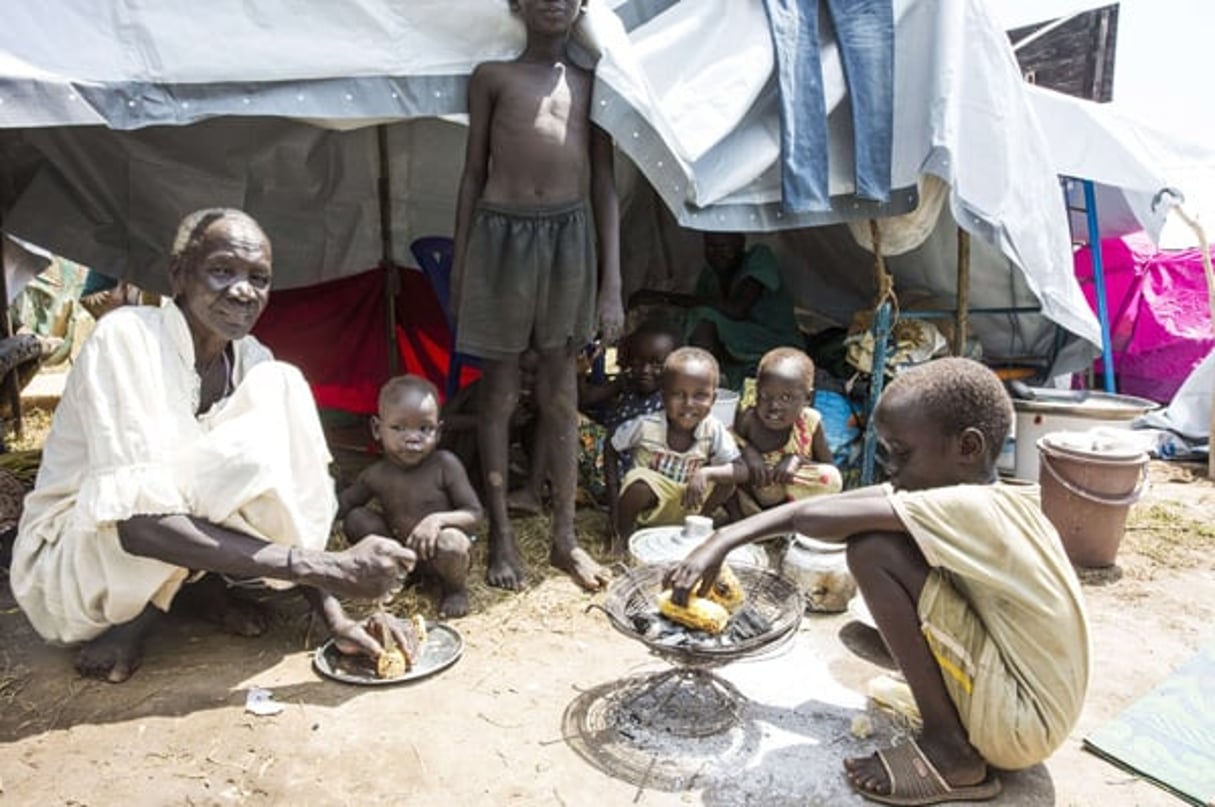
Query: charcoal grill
[[689, 700]]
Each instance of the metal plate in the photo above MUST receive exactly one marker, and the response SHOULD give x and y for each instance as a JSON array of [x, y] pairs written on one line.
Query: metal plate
[[668, 545], [443, 647]]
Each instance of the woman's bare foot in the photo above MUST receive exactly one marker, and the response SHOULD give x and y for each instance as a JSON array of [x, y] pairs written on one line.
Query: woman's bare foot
[[579, 565], [243, 617], [506, 568], [213, 600], [115, 655], [454, 604]]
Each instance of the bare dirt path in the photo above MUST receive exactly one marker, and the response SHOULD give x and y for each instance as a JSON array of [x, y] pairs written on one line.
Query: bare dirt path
[[512, 722]]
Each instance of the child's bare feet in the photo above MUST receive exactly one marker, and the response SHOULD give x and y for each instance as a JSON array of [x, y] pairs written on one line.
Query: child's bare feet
[[506, 568], [578, 564], [454, 604]]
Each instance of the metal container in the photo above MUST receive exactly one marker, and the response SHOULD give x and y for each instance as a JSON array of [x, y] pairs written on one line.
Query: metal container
[[672, 544]]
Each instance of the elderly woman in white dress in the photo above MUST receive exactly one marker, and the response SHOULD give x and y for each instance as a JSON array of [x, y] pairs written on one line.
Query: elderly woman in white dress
[[180, 447]]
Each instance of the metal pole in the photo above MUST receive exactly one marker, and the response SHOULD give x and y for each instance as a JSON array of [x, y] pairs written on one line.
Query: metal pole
[[391, 280], [1103, 314], [962, 323], [881, 333]]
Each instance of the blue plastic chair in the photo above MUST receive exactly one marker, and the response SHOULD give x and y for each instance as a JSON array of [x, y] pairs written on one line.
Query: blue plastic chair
[[434, 256]]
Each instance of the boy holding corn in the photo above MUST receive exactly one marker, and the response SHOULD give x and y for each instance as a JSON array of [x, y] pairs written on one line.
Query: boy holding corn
[[967, 581]]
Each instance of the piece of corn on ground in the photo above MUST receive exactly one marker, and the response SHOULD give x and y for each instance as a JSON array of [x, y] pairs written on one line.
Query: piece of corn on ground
[[419, 628], [699, 614], [727, 591], [893, 695]]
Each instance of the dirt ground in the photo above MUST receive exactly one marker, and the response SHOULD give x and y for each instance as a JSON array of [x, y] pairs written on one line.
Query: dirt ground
[[514, 720]]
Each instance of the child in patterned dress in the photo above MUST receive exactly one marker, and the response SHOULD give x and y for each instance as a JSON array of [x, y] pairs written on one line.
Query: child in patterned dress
[[606, 406], [781, 436]]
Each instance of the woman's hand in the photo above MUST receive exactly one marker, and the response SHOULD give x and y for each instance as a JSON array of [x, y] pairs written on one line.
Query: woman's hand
[[369, 570], [369, 637]]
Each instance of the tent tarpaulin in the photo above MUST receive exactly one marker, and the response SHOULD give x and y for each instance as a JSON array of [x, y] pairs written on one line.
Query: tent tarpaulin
[[137, 122], [1160, 319]]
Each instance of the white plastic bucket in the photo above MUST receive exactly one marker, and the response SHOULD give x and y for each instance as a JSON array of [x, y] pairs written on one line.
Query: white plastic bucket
[[1066, 410], [725, 406]]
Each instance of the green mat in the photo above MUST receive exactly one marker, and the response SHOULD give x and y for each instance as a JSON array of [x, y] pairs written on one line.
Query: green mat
[[1168, 735]]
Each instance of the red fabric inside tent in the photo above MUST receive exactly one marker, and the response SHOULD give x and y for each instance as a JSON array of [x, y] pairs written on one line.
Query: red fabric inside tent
[[336, 333]]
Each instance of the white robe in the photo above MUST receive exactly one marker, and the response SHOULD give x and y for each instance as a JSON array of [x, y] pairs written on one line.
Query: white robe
[[125, 441]]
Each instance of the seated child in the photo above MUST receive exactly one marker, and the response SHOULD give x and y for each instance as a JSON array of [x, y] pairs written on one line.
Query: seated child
[[684, 459], [781, 435], [424, 497], [966, 579], [606, 405]]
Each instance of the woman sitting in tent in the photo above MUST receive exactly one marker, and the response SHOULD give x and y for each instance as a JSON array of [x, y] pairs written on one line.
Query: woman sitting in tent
[[740, 309], [180, 447]]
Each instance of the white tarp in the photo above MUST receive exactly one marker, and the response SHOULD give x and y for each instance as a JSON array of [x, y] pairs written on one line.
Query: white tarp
[[685, 88], [1133, 164]]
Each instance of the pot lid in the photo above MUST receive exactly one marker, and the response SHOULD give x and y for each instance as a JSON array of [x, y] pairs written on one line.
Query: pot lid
[[668, 544], [1108, 444]]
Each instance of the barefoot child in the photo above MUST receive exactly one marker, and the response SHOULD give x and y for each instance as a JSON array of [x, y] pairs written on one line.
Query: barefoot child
[[781, 435], [967, 581], [528, 253], [684, 459], [425, 499]]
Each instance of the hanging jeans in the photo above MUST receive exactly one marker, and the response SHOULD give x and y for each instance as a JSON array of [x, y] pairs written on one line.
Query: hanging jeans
[[864, 31]]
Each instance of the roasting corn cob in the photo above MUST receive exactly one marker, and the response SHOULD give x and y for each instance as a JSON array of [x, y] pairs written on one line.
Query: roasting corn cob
[[391, 664], [699, 614], [726, 590]]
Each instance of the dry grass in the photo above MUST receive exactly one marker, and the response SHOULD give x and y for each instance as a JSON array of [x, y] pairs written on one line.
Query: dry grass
[[533, 537], [36, 424], [1166, 535]]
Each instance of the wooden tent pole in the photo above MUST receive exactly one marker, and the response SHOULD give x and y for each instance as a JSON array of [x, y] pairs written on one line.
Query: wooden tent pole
[[12, 388], [391, 280], [1205, 248], [962, 324]]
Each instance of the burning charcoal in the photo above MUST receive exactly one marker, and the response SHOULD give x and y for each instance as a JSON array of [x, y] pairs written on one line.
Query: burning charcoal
[[643, 623], [673, 639], [747, 623]]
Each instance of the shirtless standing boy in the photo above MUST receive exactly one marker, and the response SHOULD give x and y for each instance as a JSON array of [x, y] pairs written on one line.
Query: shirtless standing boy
[[527, 263], [424, 496]]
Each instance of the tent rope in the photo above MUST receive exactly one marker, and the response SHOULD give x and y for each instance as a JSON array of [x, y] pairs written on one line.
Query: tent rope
[[883, 281]]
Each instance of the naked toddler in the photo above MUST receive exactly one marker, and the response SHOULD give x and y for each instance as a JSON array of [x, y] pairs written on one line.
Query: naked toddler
[[424, 497]]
